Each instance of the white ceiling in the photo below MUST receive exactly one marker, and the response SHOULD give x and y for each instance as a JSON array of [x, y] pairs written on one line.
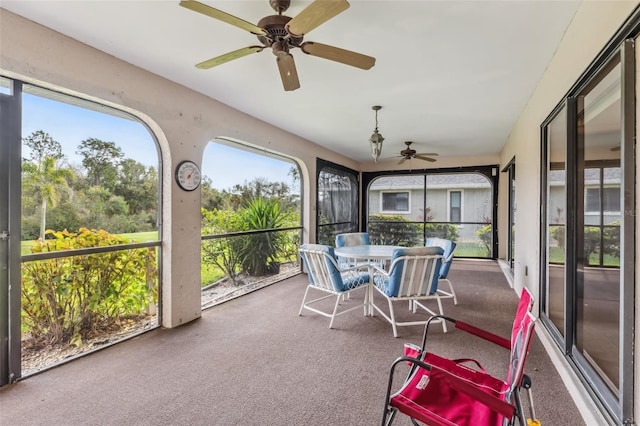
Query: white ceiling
[[453, 76]]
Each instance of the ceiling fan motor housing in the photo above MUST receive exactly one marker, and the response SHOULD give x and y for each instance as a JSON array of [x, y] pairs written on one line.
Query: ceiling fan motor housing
[[274, 25], [408, 152]]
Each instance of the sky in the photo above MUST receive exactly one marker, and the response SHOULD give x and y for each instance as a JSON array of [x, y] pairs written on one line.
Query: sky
[[70, 125]]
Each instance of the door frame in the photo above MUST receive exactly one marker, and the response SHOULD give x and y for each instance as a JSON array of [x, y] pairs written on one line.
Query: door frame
[[10, 231]]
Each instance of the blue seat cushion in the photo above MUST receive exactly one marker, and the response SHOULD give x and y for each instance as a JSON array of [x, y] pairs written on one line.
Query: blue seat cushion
[[352, 280], [352, 239], [448, 246], [392, 284]]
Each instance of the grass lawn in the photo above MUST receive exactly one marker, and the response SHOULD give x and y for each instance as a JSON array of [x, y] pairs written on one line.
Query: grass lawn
[[470, 250], [556, 255], [141, 237], [210, 274]]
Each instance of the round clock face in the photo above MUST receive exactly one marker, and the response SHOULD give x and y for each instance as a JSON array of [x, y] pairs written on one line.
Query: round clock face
[[188, 175]]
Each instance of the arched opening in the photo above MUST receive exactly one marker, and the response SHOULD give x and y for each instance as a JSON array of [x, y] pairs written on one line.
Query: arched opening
[[88, 202], [251, 219]]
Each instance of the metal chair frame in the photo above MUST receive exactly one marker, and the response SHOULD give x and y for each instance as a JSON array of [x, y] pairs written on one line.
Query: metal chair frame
[[318, 261], [506, 401], [417, 282]]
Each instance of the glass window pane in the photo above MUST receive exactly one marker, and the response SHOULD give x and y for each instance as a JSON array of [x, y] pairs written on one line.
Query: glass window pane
[[556, 134], [592, 201], [598, 285], [455, 206], [402, 201]]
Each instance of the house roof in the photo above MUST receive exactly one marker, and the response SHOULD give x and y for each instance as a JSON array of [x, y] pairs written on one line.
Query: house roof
[[434, 181]]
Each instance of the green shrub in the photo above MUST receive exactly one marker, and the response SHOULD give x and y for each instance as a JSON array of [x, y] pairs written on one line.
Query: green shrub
[[221, 252], [67, 300], [394, 230], [557, 233], [442, 230], [486, 237], [610, 240], [259, 252]]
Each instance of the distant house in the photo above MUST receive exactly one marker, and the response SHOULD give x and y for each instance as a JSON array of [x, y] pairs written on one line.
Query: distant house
[[601, 196], [464, 199]]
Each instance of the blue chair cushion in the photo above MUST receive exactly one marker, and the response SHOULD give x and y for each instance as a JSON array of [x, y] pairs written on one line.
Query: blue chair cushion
[[392, 286], [448, 246], [352, 239], [334, 273]]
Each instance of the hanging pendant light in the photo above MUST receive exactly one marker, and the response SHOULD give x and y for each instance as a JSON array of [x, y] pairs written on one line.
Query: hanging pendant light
[[376, 138]]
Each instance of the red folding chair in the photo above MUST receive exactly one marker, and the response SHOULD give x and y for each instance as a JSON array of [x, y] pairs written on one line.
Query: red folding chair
[[444, 392]]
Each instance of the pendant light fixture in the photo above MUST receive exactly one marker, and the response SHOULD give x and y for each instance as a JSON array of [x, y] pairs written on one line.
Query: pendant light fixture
[[376, 138]]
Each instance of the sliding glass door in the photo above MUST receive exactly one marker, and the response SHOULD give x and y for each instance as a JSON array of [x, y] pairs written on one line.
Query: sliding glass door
[[588, 194], [597, 287]]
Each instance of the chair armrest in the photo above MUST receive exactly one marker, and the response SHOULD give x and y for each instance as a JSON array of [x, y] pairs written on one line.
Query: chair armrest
[[486, 335], [471, 329], [448, 258], [377, 269], [356, 268]]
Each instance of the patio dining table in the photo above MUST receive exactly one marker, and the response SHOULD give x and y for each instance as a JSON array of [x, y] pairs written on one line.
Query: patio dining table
[[372, 253]]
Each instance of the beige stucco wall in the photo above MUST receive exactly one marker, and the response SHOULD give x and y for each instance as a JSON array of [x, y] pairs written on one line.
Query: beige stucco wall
[[182, 120], [593, 25]]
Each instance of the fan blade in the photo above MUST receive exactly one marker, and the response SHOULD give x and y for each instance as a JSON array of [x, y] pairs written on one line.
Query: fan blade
[[343, 56], [288, 72], [402, 160], [218, 60], [316, 13], [420, 157], [430, 154], [222, 16]]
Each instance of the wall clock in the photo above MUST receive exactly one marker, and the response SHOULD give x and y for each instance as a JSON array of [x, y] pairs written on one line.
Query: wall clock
[[188, 175]]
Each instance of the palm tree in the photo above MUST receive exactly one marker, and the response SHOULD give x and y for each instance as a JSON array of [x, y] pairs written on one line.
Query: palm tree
[[46, 180]]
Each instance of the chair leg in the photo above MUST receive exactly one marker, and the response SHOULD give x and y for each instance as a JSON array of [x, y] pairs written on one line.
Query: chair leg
[[335, 309], [455, 298], [304, 299], [366, 301], [393, 319], [444, 323], [372, 311], [371, 293], [389, 415]]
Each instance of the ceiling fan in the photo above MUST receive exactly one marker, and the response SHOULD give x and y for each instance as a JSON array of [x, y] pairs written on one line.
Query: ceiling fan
[[409, 153], [282, 33]]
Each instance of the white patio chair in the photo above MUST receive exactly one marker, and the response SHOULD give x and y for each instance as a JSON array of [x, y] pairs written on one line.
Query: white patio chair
[[325, 275], [413, 276]]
